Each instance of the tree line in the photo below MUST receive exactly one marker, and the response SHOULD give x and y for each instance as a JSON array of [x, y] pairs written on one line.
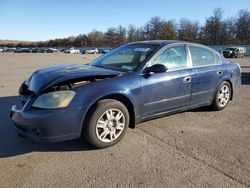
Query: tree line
[[216, 30]]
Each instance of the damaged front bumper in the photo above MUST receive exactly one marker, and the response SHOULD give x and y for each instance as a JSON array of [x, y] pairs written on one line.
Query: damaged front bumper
[[47, 125]]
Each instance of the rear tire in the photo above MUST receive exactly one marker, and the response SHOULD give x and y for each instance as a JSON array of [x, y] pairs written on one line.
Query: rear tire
[[222, 96], [106, 123]]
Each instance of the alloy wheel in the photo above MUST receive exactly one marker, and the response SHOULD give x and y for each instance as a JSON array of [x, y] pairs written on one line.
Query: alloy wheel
[[110, 125], [223, 96]]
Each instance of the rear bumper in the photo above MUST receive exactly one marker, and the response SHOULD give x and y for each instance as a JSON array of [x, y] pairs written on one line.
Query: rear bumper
[[47, 125]]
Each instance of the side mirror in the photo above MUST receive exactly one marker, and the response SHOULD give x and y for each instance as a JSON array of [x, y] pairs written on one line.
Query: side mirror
[[157, 68]]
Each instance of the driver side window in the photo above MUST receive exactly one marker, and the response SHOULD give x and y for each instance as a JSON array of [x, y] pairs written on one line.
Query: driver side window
[[174, 57]]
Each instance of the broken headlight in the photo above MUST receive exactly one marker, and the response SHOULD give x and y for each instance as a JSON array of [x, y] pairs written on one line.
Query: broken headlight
[[54, 100]]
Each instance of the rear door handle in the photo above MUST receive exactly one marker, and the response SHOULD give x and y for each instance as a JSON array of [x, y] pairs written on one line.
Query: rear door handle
[[219, 73], [187, 79]]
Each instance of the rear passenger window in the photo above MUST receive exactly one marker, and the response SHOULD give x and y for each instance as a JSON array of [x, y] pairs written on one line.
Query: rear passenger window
[[201, 56], [173, 58]]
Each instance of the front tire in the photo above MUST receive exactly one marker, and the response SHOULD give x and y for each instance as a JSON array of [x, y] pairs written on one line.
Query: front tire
[[106, 123], [222, 96]]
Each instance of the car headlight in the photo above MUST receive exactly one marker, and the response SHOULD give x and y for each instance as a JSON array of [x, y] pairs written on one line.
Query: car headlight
[[53, 100]]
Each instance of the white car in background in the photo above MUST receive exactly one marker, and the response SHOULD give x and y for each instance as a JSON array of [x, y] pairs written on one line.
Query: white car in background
[[1, 50], [90, 51], [72, 51]]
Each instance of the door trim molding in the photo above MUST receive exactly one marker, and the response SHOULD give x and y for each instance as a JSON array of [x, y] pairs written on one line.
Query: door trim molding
[[165, 100]]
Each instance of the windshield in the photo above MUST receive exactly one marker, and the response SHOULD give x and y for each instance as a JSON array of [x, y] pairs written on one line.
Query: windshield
[[125, 58]]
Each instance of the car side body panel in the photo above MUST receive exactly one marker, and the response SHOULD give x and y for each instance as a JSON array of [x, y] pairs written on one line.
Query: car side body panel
[[165, 92], [204, 84]]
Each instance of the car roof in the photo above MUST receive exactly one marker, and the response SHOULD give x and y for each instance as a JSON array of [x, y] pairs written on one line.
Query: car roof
[[166, 42], [157, 42]]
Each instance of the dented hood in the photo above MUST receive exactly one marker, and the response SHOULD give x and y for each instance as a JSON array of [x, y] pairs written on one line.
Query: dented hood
[[49, 76]]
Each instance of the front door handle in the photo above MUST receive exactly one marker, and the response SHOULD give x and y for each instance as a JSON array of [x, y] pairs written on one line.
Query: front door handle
[[187, 79]]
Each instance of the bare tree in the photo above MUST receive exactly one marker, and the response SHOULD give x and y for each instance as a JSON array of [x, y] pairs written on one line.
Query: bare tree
[[121, 35], [132, 33], [110, 36], [243, 26], [212, 27], [146, 32], [169, 30], [154, 28], [95, 38], [188, 30], [231, 30]]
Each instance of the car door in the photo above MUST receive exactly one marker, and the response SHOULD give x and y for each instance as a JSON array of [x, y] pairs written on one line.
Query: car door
[[162, 92], [206, 74]]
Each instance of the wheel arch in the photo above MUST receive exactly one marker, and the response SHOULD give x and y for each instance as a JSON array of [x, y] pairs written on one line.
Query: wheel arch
[[231, 85], [121, 98], [232, 89], [127, 102]]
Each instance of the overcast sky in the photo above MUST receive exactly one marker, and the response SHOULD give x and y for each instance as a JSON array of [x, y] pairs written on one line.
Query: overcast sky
[[48, 19]]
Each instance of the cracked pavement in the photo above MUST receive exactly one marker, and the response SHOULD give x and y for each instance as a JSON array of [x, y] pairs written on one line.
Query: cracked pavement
[[197, 148]]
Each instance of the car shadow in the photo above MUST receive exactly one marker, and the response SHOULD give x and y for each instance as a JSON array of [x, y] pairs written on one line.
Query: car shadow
[[245, 78], [12, 145], [202, 109]]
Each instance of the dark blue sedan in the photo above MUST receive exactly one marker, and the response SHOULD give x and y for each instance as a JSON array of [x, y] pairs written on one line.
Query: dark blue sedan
[[133, 83]]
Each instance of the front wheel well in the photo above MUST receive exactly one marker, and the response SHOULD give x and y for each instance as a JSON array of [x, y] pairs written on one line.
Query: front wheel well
[[129, 105], [124, 100]]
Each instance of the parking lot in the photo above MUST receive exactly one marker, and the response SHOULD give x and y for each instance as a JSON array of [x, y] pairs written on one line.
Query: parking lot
[[197, 148]]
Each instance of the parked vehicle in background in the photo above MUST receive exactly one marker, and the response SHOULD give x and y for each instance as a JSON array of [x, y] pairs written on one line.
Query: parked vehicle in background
[[234, 52], [1, 50], [18, 50], [35, 50], [66, 50], [72, 50], [133, 83], [23, 50], [62, 49], [9, 49], [100, 50], [51, 50], [42, 50], [26, 50], [104, 51], [90, 51]]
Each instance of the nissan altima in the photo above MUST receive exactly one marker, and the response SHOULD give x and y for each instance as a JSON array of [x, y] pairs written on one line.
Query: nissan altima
[[130, 84]]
